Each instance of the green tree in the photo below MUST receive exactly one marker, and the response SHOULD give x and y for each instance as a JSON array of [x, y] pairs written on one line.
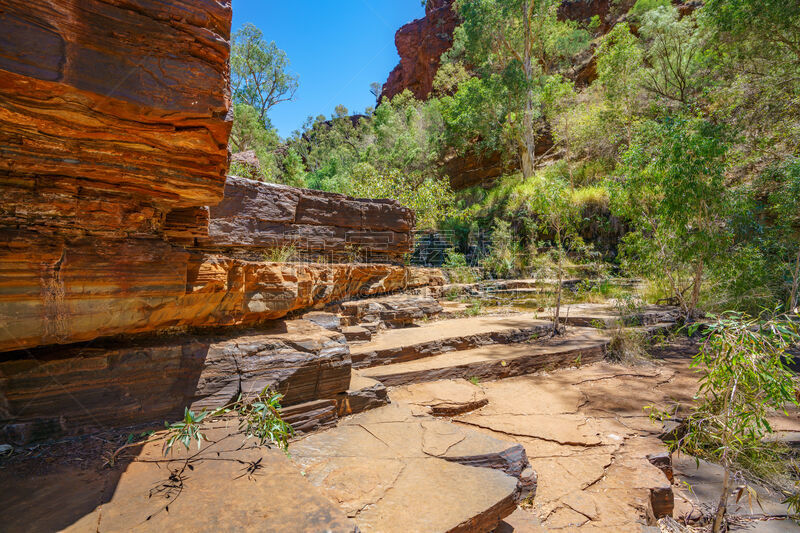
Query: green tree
[[259, 75], [743, 378], [558, 216], [619, 75], [431, 198], [673, 52], [672, 188], [248, 131], [522, 42]]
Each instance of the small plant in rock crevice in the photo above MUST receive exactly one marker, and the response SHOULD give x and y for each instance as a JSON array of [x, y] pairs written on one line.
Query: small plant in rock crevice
[[280, 254], [259, 418], [475, 308]]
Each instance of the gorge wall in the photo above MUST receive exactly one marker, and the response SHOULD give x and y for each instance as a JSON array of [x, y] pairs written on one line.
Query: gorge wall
[[120, 236]]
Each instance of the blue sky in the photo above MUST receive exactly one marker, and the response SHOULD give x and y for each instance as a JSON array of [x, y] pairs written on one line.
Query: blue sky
[[337, 47]]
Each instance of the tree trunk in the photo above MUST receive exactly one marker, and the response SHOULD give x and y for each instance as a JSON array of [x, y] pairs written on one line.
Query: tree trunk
[[557, 311], [795, 284], [719, 516], [528, 136], [691, 311]]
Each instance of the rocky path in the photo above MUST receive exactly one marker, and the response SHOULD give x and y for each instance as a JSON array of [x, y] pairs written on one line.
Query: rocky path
[[600, 463]]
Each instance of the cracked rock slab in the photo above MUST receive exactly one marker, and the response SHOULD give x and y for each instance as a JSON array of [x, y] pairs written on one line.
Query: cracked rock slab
[[380, 464], [398, 345], [441, 398], [221, 491]]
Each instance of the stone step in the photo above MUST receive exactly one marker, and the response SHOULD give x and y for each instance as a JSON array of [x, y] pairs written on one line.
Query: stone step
[[579, 346], [356, 334], [363, 394], [442, 336], [393, 471], [606, 316], [391, 311]]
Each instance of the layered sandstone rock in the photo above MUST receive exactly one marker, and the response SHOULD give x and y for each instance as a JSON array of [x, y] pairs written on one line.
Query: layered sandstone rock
[[390, 311], [57, 291], [112, 113], [254, 216], [51, 391]]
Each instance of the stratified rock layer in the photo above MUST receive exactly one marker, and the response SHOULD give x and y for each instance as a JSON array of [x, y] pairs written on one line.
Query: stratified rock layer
[[112, 112], [51, 391], [253, 216], [56, 291]]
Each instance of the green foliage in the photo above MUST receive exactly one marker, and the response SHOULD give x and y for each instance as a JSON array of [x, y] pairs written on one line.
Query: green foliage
[[501, 261], [672, 188], [673, 53], [743, 378], [516, 47], [185, 431], [389, 153], [475, 308], [259, 76], [643, 6], [429, 198], [280, 254], [456, 268], [259, 418]]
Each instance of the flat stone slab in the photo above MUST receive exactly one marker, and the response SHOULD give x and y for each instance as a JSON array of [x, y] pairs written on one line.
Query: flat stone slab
[[445, 336], [606, 316], [441, 398], [395, 472], [705, 480], [231, 484], [497, 361]]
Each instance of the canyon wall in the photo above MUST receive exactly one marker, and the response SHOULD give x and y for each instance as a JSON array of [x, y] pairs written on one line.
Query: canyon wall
[[129, 265], [420, 45]]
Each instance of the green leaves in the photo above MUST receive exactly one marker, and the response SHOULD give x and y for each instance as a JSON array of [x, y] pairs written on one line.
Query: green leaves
[[259, 417], [185, 431], [259, 72]]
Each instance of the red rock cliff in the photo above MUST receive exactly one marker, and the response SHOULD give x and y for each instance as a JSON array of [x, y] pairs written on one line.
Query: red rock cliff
[[420, 45]]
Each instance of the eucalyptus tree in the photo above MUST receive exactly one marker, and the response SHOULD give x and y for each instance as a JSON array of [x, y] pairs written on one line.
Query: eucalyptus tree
[[515, 46], [259, 72]]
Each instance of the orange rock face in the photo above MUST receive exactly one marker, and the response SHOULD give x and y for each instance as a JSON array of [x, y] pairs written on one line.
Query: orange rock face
[[119, 233], [56, 292], [112, 112]]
